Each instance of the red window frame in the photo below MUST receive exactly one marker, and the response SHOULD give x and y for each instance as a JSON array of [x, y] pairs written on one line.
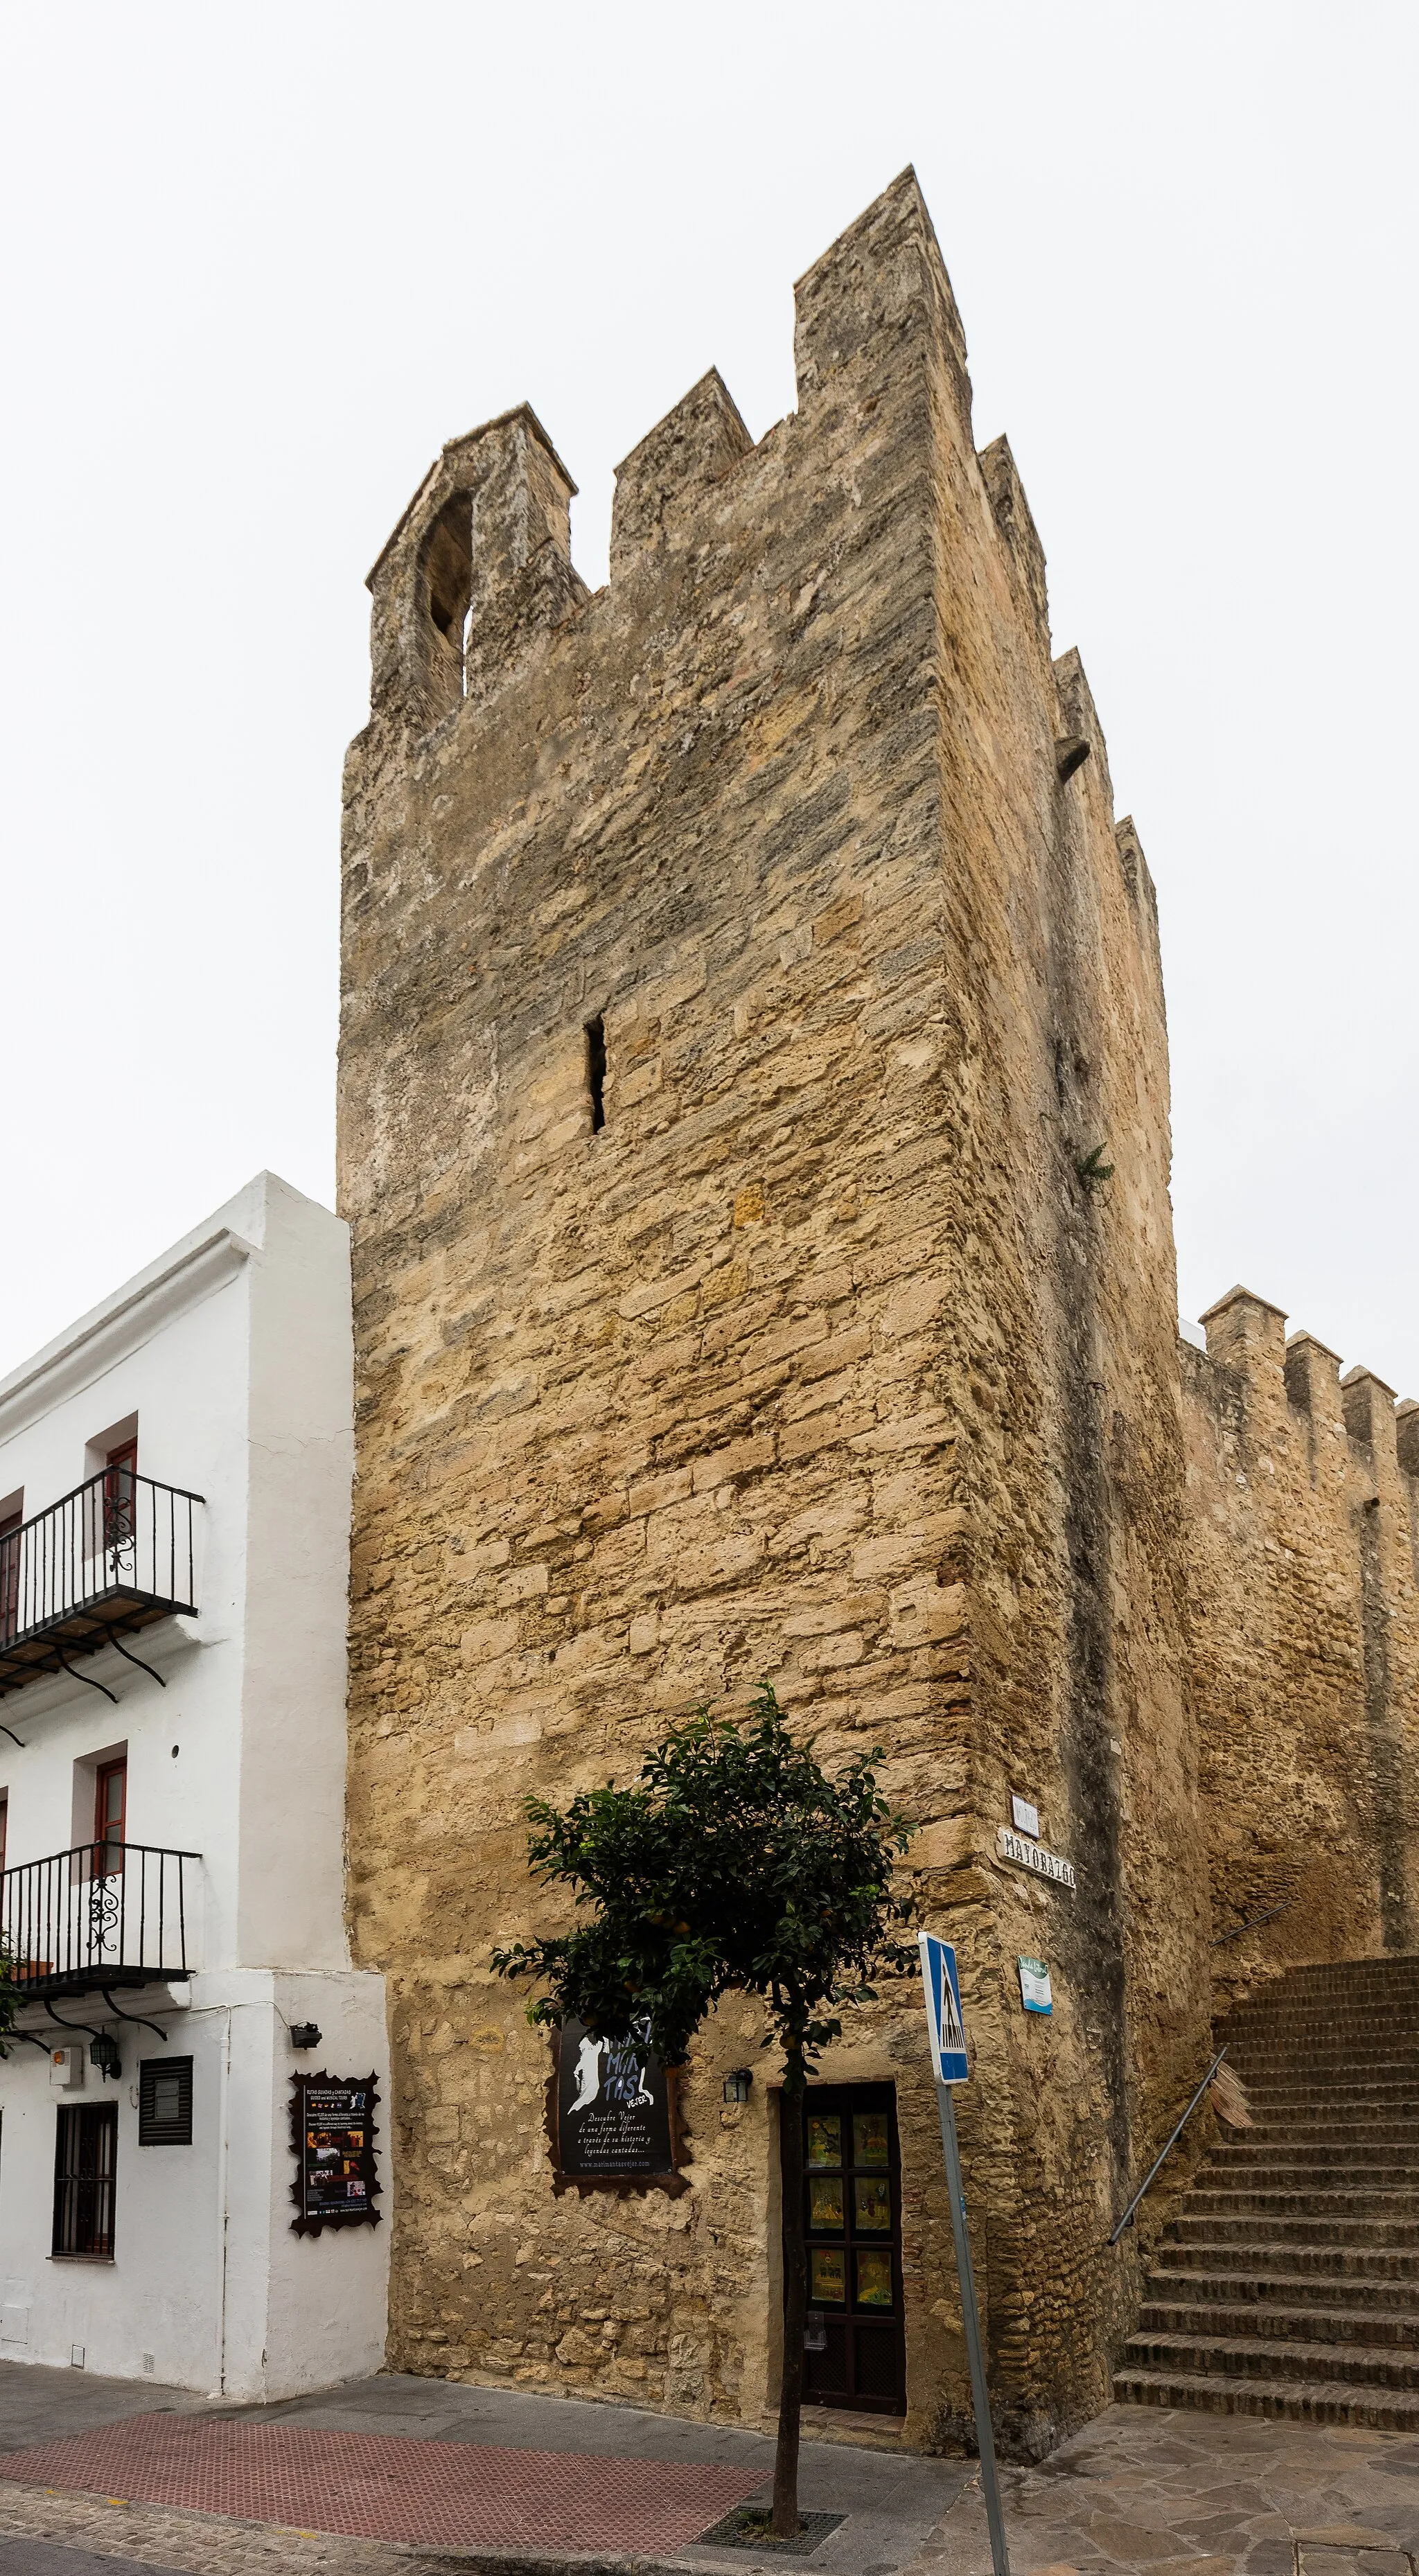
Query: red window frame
[[108, 1844], [10, 1528]]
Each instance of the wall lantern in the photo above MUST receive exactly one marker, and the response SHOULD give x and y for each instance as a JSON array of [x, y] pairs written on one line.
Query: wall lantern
[[305, 2034], [736, 2086], [103, 2053]]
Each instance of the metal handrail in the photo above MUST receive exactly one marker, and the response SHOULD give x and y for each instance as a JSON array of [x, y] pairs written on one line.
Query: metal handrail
[[117, 1537], [73, 1920], [1127, 2218], [1250, 1925]]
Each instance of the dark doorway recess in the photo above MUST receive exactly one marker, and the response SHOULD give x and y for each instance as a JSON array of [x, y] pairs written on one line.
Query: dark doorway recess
[[850, 2176]]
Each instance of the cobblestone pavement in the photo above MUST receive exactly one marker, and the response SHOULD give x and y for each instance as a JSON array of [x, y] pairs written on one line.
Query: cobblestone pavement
[[1159, 2492]]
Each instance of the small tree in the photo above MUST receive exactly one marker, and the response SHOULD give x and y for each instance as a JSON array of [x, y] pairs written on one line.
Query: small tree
[[734, 1864]]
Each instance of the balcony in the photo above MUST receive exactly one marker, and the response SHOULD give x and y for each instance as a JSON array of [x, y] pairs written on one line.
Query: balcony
[[107, 1560], [104, 1916]]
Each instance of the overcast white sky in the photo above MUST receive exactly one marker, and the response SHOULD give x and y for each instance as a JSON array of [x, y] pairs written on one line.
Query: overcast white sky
[[260, 263]]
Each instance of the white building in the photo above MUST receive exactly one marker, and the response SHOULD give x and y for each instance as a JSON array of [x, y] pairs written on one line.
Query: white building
[[174, 1526]]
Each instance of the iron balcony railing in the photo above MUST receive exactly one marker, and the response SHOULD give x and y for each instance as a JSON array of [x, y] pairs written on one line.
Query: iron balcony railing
[[103, 1915], [117, 1553]]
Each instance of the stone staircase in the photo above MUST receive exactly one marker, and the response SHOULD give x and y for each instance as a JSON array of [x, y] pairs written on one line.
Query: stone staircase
[[1288, 2283]]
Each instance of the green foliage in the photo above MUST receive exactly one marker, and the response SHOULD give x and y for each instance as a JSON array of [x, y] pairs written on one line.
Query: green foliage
[[1091, 1168], [733, 1864], [10, 2000]]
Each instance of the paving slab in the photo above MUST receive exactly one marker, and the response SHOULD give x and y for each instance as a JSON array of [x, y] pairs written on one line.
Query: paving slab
[[1153, 2491], [47, 2558], [42, 2405]]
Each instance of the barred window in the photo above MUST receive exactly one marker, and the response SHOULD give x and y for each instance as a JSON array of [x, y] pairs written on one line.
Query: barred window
[[85, 2153]]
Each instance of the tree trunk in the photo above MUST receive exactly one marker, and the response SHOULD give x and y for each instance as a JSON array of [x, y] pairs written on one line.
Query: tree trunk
[[795, 2303]]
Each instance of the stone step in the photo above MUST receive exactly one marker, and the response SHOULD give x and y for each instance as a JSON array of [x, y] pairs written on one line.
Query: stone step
[[1343, 2116], [1203, 2320], [1325, 2070], [1201, 2225], [1272, 2104], [1365, 2294], [1280, 1995], [1297, 2196], [1331, 1972], [1314, 2157], [1342, 2263], [1320, 2402], [1338, 2034], [1335, 2011], [1232, 2356]]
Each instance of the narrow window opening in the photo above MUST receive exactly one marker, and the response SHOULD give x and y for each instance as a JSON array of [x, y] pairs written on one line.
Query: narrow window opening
[[596, 1071], [448, 575]]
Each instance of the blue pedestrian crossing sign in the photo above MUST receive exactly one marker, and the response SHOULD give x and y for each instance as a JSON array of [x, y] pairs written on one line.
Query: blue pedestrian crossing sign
[[943, 2010]]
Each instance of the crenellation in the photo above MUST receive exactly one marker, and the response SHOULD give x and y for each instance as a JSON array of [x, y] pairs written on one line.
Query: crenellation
[[481, 556], [694, 447], [1368, 1406], [1013, 518]]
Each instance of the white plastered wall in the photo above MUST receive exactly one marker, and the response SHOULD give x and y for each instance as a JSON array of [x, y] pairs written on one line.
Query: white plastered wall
[[234, 1351]]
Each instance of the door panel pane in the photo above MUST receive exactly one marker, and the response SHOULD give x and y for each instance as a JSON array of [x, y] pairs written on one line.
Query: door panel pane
[[827, 2277], [871, 2144], [874, 2280], [825, 2203], [872, 2203], [825, 2140]]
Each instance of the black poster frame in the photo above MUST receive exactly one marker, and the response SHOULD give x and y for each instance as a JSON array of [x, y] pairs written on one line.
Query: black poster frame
[[310, 2221], [638, 2179]]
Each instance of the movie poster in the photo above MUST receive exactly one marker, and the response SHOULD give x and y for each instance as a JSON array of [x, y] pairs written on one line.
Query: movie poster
[[332, 2135], [613, 2106]]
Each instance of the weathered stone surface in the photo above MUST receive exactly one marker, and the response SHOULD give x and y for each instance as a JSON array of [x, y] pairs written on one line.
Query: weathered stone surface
[[830, 1355], [1304, 1659]]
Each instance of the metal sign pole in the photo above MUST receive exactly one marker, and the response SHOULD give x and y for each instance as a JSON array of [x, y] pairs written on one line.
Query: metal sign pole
[[990, 2484]]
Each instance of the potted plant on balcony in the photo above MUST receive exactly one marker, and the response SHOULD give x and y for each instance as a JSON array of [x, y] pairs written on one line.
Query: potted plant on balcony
[[10, 2000], [734, 1865]]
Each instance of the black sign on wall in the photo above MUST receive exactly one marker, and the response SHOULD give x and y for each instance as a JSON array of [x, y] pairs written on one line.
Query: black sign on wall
[[332, 2139], [613, 2110]]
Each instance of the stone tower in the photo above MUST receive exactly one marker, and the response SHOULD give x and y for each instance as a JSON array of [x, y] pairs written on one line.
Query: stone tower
[[746, 984]]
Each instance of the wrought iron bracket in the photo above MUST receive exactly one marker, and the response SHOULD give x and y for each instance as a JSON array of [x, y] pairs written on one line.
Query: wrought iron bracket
[[136, 2018], [85, 2026], [85, 1677], [121, 1649]]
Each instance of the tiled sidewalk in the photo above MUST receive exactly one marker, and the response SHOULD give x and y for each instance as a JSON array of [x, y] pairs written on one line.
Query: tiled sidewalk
[[450, 2495]]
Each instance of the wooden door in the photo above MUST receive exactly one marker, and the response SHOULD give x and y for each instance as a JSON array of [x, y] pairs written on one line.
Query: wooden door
[[849, 2173]]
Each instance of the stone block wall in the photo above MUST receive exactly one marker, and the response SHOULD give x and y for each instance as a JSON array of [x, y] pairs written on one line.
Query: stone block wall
[[745, 979], [1303, 1551]]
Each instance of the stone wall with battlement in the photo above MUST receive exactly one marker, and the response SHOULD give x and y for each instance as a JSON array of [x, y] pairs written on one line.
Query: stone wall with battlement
[[1303, 1581]]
